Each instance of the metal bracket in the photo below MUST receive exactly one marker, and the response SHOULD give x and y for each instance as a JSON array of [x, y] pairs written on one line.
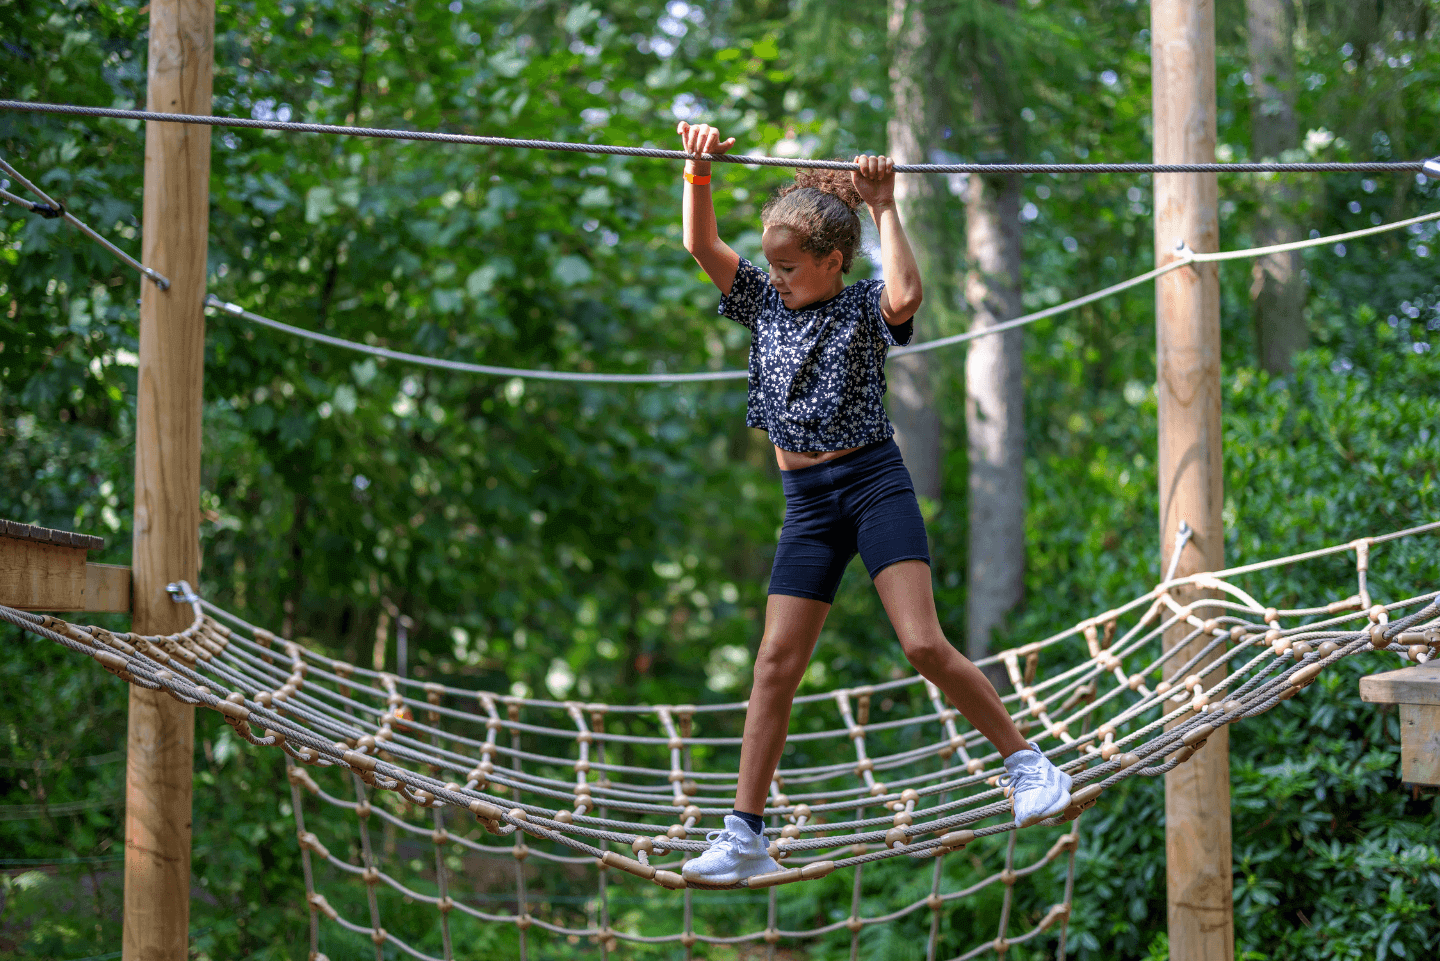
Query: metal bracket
[[1185, 532], [181, 593]]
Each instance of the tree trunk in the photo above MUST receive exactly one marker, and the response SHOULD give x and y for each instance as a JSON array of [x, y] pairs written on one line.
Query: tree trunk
[[994, 410], [994, 377], [1278, 290], [912, 399]]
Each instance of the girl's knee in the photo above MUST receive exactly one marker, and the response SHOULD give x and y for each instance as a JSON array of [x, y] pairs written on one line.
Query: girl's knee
[[926, 650], [775, 666]]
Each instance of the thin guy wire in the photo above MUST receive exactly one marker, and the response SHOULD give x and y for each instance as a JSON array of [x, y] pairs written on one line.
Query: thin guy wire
[[34, 208], [1184, 257], [160, 279], [657, 154], [456, 365]]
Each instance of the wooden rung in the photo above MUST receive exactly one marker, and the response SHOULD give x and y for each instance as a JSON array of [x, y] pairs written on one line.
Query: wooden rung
[[45, 570]]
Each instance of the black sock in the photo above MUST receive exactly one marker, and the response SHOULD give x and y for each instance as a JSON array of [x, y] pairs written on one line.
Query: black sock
[[755, 822]]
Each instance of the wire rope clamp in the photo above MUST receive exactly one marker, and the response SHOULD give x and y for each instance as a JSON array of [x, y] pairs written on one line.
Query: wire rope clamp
[[955, 840], [773, 878], [300, 777], [1082, 800], [115, 664], [359, 763], [629, 865], [236, 713], [669, 879], [1417, 692], [1066, 842], [1056, 912], [1431, 168], [816, 870], [318, 903], [1304, 677], [1196, 739], [310, 842]]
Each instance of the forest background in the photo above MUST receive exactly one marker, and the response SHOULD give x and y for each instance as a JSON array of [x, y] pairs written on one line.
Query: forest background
[[613, 542]]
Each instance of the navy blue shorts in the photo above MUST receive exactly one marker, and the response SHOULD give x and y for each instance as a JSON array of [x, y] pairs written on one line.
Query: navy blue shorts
[[861, 502]]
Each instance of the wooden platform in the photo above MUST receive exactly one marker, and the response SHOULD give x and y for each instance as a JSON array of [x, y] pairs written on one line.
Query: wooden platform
[[45, 570], [1417, 691]]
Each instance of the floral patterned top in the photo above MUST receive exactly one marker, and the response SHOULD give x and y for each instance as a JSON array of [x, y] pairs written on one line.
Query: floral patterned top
[[817, 375]]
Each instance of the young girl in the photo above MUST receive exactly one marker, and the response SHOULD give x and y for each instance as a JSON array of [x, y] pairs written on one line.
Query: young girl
[[817, 359]]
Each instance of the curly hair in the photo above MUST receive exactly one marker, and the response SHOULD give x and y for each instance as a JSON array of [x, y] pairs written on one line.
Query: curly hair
[[821, 207]]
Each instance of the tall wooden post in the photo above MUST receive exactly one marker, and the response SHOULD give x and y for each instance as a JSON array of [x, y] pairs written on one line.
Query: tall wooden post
[[1187, 343], [167, 473]]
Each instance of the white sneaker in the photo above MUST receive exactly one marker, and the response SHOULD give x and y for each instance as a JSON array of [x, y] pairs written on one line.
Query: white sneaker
[[1038, 789], [735, 854]]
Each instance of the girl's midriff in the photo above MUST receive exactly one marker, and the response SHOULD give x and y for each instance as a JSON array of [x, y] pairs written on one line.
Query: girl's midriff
[[795, 460]]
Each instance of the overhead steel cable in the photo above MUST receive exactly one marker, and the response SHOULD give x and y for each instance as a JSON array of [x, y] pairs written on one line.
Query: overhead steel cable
[[1184, 257], [1430, 167], [54, 208]]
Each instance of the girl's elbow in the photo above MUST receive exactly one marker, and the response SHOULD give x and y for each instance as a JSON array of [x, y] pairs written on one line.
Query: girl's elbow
[[910, 303]]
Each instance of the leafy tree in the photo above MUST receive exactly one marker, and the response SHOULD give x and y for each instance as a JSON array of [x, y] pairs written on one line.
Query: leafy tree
[[612, 543]]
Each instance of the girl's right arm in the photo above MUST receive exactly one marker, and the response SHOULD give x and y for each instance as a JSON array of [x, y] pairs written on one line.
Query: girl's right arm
[[702, 238]]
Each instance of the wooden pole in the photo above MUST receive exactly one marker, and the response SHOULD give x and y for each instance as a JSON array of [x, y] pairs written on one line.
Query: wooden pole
[[161, 741], [1187, 346]]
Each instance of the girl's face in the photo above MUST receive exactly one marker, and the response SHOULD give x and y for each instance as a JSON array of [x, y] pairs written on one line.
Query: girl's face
[[800, 277]]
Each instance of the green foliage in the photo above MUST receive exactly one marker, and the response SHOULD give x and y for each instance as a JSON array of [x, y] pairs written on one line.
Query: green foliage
[[612, 543]]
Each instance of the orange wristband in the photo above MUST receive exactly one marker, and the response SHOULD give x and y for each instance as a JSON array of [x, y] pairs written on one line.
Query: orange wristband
[[697, 181]]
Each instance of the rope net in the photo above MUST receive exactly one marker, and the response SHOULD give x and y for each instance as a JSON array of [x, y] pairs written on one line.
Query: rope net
[[561, 791]]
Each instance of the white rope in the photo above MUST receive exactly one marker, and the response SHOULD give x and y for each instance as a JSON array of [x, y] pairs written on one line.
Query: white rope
[[1184, 257], [1313, 241]]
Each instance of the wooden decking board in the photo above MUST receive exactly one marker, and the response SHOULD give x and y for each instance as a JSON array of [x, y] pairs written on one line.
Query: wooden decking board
[[46, 535]]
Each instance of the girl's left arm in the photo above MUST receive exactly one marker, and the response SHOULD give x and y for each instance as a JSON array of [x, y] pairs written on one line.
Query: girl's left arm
[[902, 295]]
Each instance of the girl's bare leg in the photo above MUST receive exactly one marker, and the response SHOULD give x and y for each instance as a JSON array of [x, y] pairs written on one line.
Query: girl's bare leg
[[909, 599], [792, 626]]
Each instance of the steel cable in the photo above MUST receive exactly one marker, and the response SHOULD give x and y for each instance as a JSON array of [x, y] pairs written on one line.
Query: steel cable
[[658, 154]]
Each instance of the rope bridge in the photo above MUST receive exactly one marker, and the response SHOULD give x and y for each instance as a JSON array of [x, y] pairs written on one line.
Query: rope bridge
[[625, 788]]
